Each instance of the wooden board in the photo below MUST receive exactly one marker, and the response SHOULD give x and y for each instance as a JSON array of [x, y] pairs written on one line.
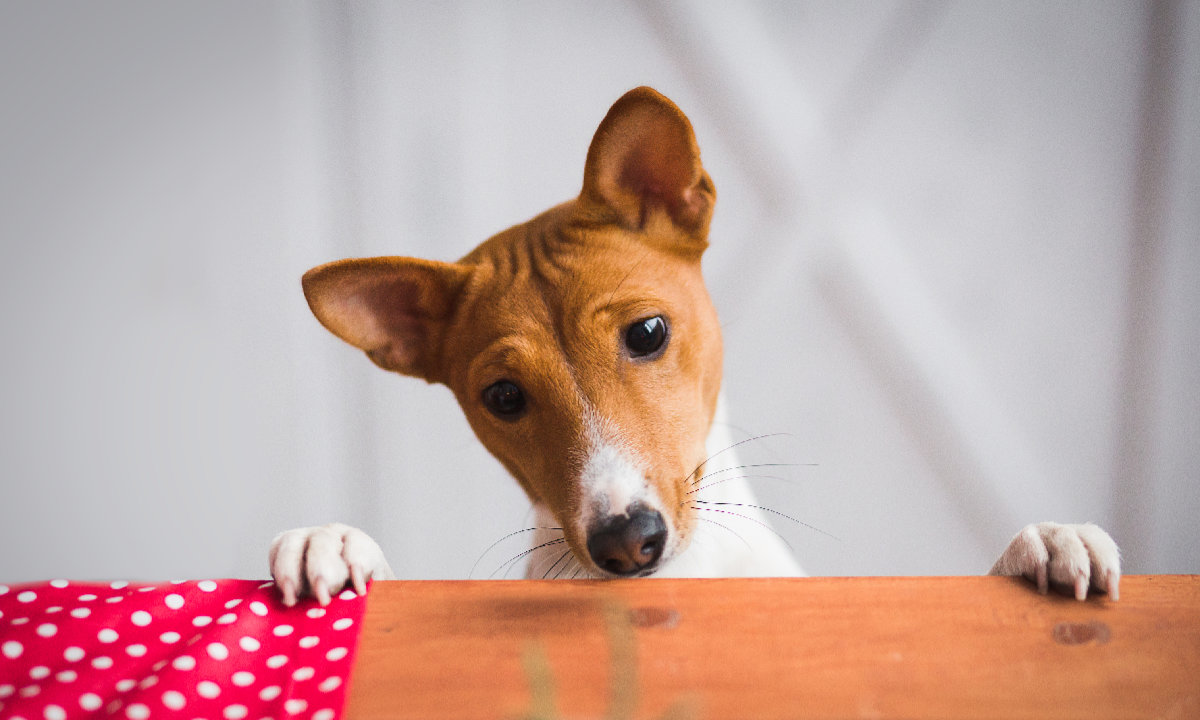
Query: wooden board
[[962, 647]]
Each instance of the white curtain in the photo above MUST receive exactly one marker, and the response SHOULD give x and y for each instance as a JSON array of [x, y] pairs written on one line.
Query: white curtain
[[955, 253]]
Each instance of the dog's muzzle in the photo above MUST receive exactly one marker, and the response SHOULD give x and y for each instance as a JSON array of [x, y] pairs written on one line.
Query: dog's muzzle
[[629, 544]]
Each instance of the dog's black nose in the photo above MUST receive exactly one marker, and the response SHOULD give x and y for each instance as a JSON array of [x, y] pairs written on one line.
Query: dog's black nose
[[628, 544]]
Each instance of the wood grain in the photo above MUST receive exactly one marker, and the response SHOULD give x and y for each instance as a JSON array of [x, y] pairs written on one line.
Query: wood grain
[[961, 647]]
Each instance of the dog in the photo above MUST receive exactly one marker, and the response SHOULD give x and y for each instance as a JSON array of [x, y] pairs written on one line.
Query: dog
[[586, 354]]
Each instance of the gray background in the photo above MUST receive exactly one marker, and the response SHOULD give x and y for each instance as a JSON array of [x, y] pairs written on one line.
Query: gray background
[[956, 254]]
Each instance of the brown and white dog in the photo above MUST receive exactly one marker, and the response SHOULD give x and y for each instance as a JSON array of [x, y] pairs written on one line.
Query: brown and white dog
[[585, 351]]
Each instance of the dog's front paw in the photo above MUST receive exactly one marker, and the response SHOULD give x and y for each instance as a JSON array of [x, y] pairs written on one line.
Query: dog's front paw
[[322, 560], [1073, 556]]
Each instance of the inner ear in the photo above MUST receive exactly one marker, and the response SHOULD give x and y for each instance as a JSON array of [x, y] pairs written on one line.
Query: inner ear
[[644, 157], [393, 308]]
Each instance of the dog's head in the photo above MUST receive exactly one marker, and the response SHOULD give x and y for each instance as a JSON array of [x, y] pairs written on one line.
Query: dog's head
[[582, 345]]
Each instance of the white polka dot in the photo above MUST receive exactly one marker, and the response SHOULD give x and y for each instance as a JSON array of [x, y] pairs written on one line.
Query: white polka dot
[[295, 706], [158, 665], [126, 685], [107, 635], [148, 588], [174, 700], [330, 683], [342, 624], [347, 595], [304, 673], [282, 630], [208, 689], [29, 691], [12, 649], [174, 601], [54, 712], [249, 644], [47, 630], [309, 641], [53, 609], [243, 678], [114, 599], [90, 701], [207, 585], [141, 618], [276, 661], [102, 662], [6, 690], [80, 613], [119, 584], [73, 653], [136, 650], [147, 682], [325, 714], [315, 613], [170, 637], [87, 598], [235, 712], [217, 651], [227, 618], [27, 596], [137, 711], [3, 589], [336, 654], [20, 621], [201, 621], [60, 584], [258, 609], [67, 676], [233, 603], [38, 672], [184, 662], [269, 693]]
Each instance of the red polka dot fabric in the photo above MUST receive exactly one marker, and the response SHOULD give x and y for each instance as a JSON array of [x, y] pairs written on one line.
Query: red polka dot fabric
[[214, 649]]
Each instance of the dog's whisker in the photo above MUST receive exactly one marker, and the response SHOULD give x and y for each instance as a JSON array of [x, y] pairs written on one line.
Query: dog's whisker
[[632, 268], [507, 565], [702, 488], [755, 465], [773, 511], [747, 466], [726, 528], [556, 562], [511, 534], [567, 566], [747, 518], [687, 478]]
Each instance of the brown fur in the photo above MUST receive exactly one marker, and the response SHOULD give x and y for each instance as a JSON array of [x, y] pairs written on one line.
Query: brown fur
[[545, 304]]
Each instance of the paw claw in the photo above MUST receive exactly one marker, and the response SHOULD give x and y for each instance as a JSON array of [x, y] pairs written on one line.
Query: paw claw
[[320, 590], [356, 579], [287, 588], [1075, 558], [320, 561]]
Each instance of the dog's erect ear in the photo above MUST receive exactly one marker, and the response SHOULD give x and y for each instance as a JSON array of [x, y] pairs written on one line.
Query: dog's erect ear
[[644, 157], [394, 308]]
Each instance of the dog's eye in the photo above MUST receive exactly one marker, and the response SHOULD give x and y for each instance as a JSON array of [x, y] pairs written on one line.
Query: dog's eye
[[504, 399], [646, 337]]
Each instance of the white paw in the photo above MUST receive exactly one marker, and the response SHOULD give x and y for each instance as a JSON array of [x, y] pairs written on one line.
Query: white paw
[[1074, 556], [321, 560]]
